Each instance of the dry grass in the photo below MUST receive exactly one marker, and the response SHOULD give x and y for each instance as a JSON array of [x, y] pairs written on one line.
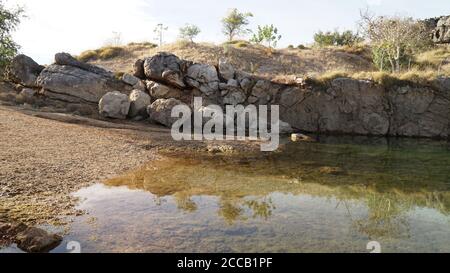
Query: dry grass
[[248, 57], [413, 77], [436, 59], [104, 53]]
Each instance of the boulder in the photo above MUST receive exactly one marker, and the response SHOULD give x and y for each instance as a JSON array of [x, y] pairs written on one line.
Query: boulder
[[139, 101], [130, 79], [160, 91], [79, 84], [246, 84], [441, 34], [114, 105], [140, 85], [226, 70], [234, 98], [160, 111], [204, 77], [69, 60], [165, 67], [138, 69], [261, 90], [36, 240], [25, 70]]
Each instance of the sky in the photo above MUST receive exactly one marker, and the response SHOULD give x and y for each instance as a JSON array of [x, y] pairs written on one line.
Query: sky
[[73, 26]]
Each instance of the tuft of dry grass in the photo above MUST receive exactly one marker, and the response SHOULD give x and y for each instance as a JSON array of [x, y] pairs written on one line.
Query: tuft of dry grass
[[104, 53]]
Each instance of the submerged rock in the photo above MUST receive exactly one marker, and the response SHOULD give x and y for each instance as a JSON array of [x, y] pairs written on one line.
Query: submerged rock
[[37, 240]]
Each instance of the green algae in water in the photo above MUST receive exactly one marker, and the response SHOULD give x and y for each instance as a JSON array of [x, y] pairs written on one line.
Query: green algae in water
[[332, 196]]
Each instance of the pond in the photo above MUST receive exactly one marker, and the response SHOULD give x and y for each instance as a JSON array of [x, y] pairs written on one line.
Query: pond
[[335, 195]]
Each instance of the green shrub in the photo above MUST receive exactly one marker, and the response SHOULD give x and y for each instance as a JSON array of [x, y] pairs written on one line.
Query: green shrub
[[346, 38]]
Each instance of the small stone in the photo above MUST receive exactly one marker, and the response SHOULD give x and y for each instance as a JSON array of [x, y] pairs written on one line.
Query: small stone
[[130, 79]]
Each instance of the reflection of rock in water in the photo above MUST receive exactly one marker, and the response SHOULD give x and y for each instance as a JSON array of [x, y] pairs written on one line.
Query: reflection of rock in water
[[390, 176]]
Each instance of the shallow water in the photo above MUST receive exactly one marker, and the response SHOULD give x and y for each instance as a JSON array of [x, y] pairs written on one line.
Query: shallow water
[[331, 196]]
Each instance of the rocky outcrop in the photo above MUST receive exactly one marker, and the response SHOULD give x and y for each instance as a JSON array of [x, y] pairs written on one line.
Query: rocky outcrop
[[73, 81], [24, 70], [441, 33], [114, 105]]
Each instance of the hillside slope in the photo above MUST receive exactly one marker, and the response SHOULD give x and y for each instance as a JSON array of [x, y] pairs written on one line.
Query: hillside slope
[[250, 58]]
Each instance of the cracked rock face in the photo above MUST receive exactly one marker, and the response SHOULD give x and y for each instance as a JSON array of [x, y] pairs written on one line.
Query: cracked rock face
[[203, 77], [441, 34], [160, 111], [114, 105], [78, 84]]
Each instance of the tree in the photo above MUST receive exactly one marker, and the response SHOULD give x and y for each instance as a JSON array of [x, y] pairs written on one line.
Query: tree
[[189, 32], [234, 23], [346, 38], [394, 39], [268, 34], [9, 20]]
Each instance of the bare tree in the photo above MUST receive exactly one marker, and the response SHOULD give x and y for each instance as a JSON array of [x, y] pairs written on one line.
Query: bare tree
[[115, 40], [394, 36], [159, 31]]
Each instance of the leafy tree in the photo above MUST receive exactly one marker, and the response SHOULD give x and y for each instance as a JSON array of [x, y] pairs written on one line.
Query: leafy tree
[[189, 32], [9, 20], [268, 34], [394, 39], [234, 23]]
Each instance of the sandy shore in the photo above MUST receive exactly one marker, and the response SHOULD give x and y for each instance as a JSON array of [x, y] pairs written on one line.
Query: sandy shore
[[43, 161], [47, 156]]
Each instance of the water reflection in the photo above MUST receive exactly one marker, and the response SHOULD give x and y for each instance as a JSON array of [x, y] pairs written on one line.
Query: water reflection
[[328, 196]]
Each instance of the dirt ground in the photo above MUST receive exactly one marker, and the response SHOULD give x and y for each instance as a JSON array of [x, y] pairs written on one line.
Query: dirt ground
[[44, 157]]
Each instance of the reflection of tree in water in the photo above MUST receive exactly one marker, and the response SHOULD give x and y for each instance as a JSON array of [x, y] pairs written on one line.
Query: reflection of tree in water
[[233, 210], [185, 203]]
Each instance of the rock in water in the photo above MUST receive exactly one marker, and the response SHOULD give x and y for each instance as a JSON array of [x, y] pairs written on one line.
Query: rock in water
[[25, 70], [114, 105], [165, 67], [139, 101], [161, 110], [37, 240]]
